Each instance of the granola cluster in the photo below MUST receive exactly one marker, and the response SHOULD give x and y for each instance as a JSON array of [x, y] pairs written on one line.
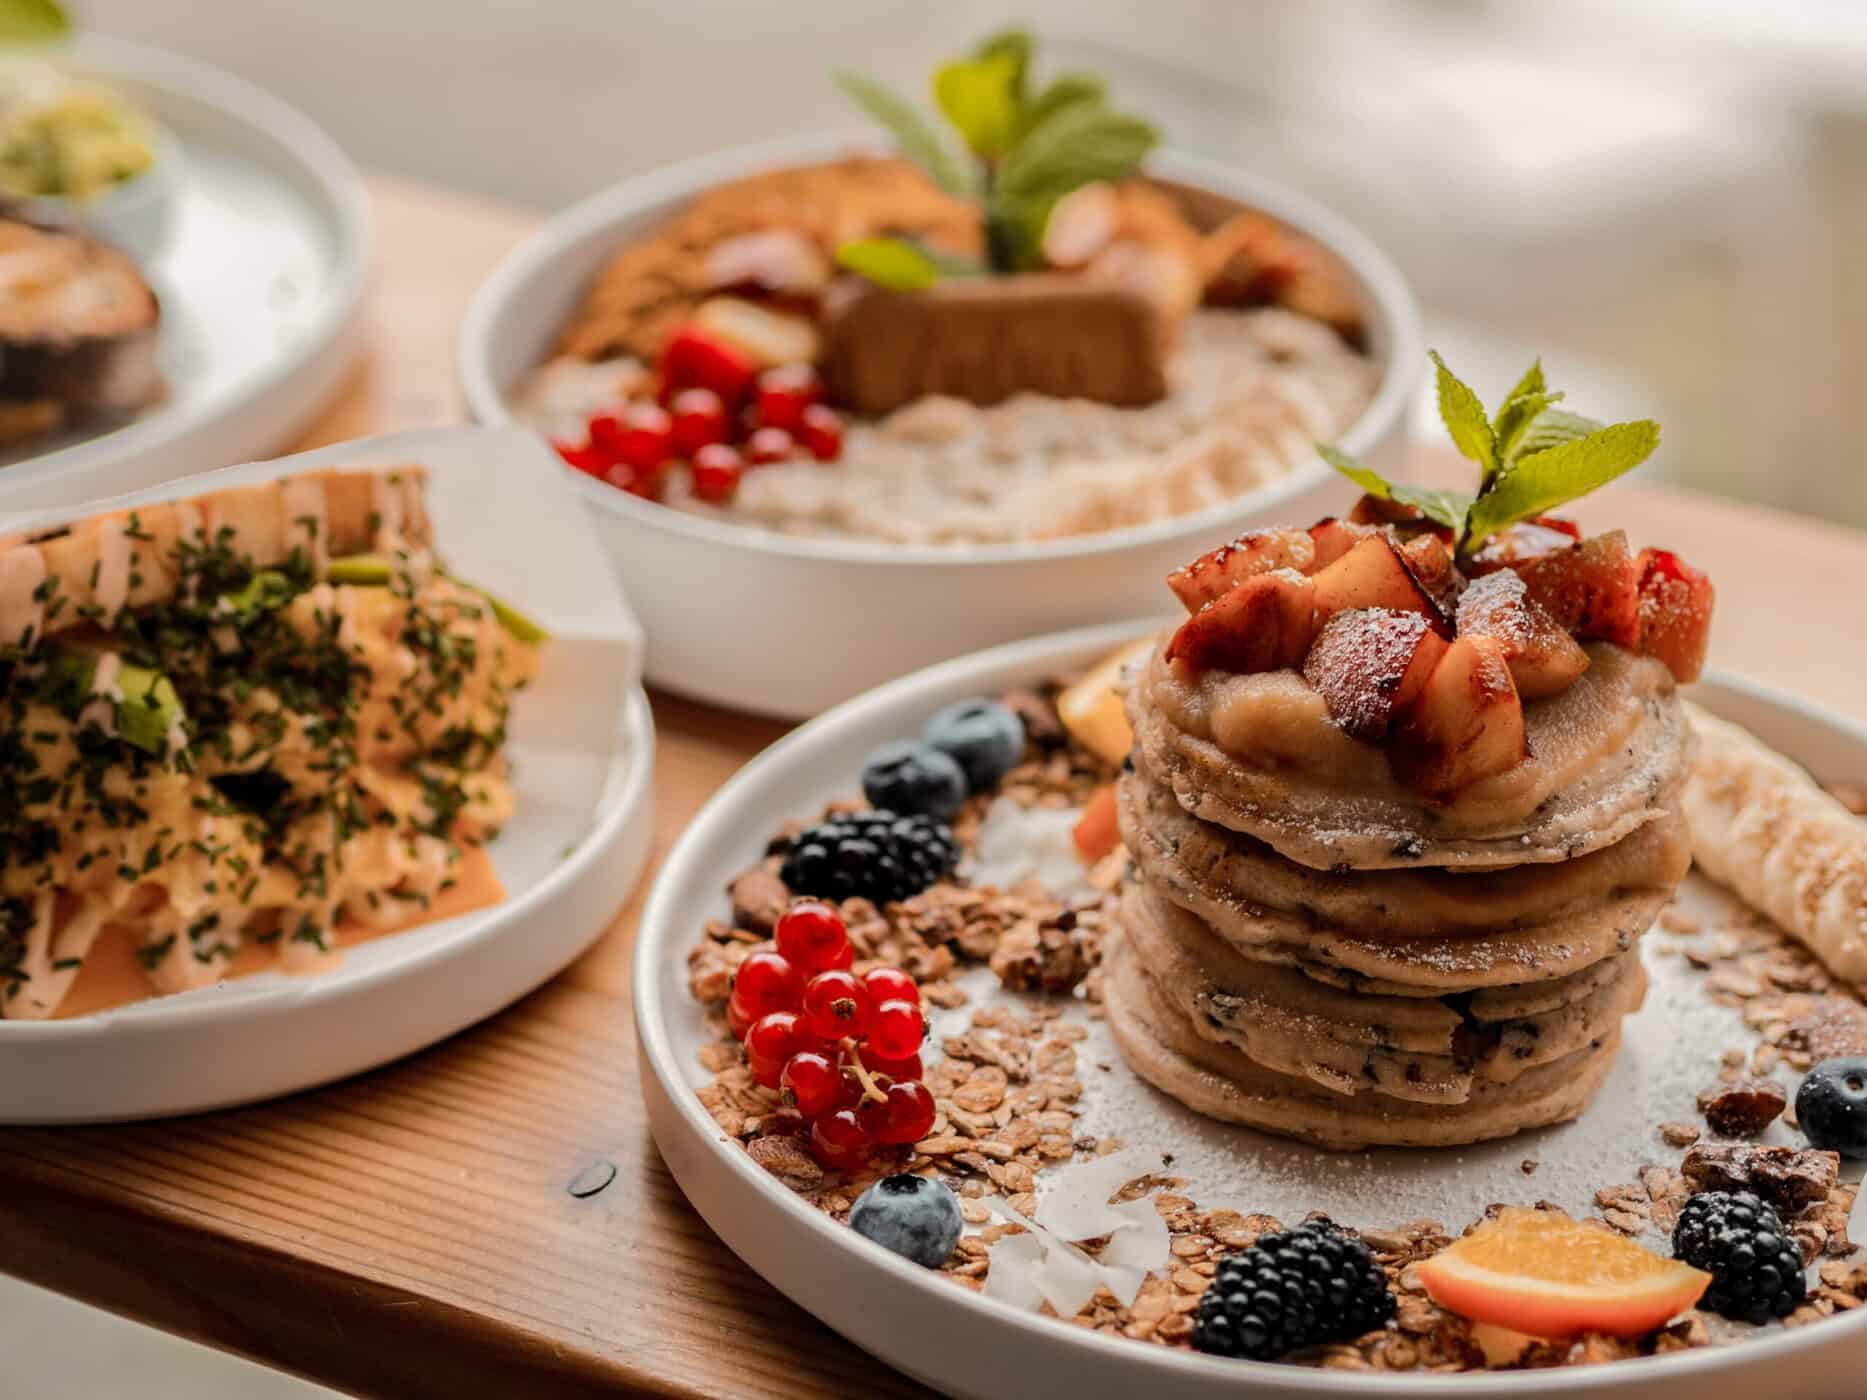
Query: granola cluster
[[1008, 1089]]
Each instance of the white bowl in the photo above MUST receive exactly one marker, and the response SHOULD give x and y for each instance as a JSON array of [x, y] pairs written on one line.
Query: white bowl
[[967, 1345], [134, 215], [784, 625]]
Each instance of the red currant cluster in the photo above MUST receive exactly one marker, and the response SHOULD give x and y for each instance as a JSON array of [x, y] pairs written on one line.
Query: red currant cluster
[[843, 1049], [717, 413]]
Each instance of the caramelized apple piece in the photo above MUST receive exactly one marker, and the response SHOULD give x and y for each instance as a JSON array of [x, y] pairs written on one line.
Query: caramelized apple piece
[[1409, 520], [1543, 659], [1375, 574], [1264, 624], [1592, 589], [1675, 612], [1431, 563], [1333, 538], [1254, 552], [1467, 723], [1522, 542], [1369, 664]]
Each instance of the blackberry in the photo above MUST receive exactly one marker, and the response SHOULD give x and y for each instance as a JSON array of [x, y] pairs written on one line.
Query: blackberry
[[1300, 1288], [1755, 1265], [873, 855]]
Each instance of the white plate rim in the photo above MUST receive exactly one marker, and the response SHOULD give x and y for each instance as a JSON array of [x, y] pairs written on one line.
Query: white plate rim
[[486, 398], [662, 926], [170, 428]]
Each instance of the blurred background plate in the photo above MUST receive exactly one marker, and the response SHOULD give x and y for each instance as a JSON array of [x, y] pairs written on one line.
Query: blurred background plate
[[261, 283]]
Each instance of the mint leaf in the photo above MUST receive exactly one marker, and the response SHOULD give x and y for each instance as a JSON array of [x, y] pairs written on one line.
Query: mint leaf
[[1064, 90], [1553, 427], [1513, 420], [1013, 45], [980, 97], [1075, 146], [1447, 508], [1557, 475], [1531, 383], [1466, 420], [893, 263], [32, 21], [912, 134]]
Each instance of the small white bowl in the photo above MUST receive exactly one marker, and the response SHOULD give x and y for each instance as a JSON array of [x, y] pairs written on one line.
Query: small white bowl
[[136, 215], [787, 625]]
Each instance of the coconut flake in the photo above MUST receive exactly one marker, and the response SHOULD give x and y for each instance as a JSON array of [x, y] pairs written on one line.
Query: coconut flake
[[1056, 1270], [1012, 1278], [1077, 1204], [1017, 844]]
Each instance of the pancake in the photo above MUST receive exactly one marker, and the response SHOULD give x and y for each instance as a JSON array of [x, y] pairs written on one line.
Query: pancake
[[1375, 963], [1221, 1082], [1419, 1050], [1402, 903], [1260, 755]]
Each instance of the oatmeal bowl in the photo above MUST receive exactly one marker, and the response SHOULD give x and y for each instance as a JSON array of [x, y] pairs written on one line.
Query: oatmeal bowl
[[833, 430], [1393, 976]]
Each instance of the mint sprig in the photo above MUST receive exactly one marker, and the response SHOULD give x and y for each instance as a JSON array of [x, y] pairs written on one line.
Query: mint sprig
[[1027, 151], [1532, 457], [902, 264], [33, 21]]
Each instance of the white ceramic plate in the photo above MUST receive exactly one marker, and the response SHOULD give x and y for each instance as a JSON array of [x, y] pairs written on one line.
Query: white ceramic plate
[[787, 625], [967, 1345], [261, 282], [582, 752]]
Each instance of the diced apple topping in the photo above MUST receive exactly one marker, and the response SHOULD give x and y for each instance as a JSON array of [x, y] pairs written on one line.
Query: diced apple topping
[[1264, 624], [1467, 723], [1543, 658], [1432, 565], [1369, 664], [1375, 574], [1409, 520], [1522, 542], [1255, 552], [1333, 538], [1675, 612], [1592, 589]]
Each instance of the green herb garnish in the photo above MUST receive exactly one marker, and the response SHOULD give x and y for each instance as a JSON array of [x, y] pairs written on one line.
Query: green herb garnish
[[1028, 151], [1532, 457], [32, 21]]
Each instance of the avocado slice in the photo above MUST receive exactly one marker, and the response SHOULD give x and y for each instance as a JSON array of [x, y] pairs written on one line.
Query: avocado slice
[[264, 591], [148, 712], [374, 570]]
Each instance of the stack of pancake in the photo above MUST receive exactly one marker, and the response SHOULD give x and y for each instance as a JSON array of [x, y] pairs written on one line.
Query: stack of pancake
[[1315, 950]]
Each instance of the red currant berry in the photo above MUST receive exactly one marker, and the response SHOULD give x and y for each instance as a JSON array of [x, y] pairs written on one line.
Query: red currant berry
[[896, 1029], [811, 1083], [906, 1116], [889, 984], [696, 357], [605, 430], [766, 983], [812, 935], [769, 445], [582, 456], [898, 1070], [738, 1019], [699, 420], [835, 1005], [770, 1041], [784, 393], [822, 432], [717, 469], [840, 1140], [647, 437]]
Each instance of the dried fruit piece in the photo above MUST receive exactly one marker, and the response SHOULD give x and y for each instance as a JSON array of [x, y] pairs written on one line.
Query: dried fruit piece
[[1542, 1273], [1746, 1108], [1784, 1177], [1097, 834]]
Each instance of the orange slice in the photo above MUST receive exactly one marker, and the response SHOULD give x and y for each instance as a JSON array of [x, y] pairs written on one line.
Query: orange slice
[[1091, 709], [1542, 1273]]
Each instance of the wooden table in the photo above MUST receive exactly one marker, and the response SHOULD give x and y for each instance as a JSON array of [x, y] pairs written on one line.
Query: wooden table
[[412, 1233]]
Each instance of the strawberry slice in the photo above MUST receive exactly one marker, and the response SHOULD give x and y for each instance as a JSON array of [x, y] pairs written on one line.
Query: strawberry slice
[[1675, 612], [1252, 553], [1264, 624]]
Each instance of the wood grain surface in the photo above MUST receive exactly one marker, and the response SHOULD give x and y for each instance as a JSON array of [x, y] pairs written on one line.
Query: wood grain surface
[[430, 1230]]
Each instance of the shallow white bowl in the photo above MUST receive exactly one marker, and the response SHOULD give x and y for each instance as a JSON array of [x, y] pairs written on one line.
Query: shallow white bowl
[[134, 215], [968, 1345], [582, 748], [787, 626]]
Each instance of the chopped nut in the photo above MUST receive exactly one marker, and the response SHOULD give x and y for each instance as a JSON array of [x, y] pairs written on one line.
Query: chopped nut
[[1679, 1134], [1746, 1108], [1785, 1177]]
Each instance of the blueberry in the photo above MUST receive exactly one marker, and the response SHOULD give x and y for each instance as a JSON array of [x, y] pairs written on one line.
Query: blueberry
[[1831, 1106], [910, 777], [915, 1217], [982, 736]]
